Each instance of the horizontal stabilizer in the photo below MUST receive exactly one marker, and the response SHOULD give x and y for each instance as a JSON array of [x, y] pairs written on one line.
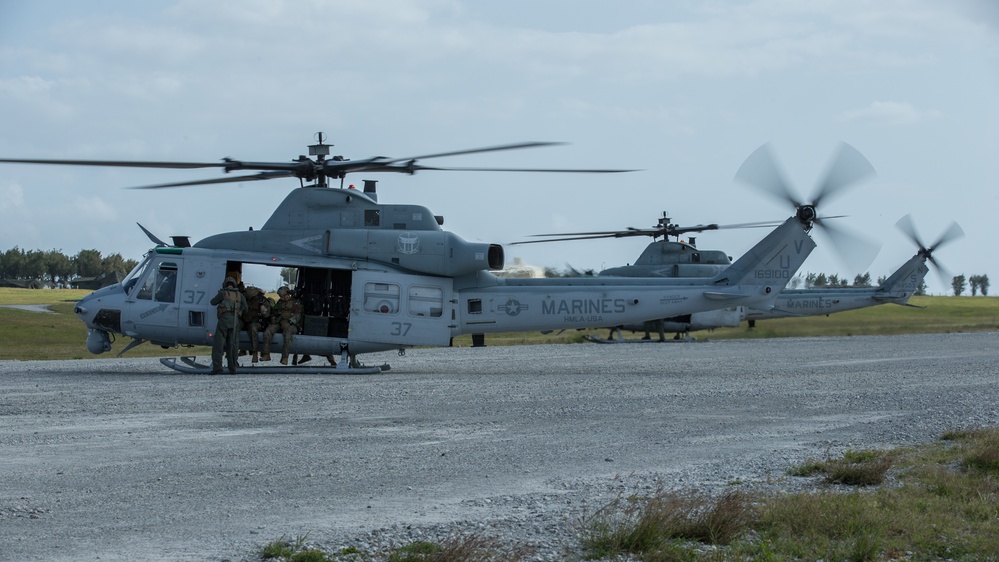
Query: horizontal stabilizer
[[725, 296]]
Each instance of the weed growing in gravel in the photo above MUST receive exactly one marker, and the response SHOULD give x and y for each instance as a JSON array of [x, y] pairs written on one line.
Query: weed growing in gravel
[[943, 503], [856, 468], [295, 551], [465, 548], [656, 527]]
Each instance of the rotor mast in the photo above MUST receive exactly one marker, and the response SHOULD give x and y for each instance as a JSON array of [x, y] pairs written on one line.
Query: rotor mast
[[320, 150]]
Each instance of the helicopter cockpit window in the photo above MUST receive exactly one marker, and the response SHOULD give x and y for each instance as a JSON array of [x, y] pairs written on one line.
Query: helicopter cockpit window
[[162, 283], [426, 301], [146, 289], [166, 283], [381, 298], [128, 283]]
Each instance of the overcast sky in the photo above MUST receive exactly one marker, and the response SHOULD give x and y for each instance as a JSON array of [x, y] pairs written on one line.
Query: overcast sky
[[683, 91]]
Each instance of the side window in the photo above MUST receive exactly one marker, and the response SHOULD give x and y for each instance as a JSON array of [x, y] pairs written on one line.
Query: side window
[[161, 283], [426, 301], [146, 290], [166, 283], [381, 297]]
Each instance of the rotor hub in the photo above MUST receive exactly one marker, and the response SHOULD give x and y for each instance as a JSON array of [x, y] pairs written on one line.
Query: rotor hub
[[807, 214]]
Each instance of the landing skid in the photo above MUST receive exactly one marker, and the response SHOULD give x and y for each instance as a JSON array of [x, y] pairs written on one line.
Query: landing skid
[[190, 365]]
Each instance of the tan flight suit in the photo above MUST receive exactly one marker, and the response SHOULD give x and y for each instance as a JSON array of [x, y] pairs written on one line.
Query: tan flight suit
[[287, 317]]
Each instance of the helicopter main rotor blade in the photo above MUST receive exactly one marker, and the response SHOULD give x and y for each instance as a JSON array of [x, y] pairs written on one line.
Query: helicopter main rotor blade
[[515, 146], [417, 168], [235, 179], [318, 170], [563, 239], [117, 163], [848, 167], [655, 232]]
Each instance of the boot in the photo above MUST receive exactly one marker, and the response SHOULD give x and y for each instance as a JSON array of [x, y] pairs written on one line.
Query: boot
[[265, 356], [284, 359], [331, 360], [304, 359], [254, 360]]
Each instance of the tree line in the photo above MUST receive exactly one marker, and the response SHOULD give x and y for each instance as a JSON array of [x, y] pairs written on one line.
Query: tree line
[[57, 268], [976, 282]]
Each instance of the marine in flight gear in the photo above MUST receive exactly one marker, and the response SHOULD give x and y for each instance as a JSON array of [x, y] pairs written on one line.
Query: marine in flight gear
[[256, 319], [229, 304], [287, 317]]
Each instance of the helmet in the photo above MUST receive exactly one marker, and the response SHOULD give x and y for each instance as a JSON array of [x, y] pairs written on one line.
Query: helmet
[[283, 290], [229, 281]]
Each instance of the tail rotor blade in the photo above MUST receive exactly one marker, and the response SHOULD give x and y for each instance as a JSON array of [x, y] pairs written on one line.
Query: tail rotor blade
[[848, 167], [906, 225], [854, 250], [953, 232], [761, 170]]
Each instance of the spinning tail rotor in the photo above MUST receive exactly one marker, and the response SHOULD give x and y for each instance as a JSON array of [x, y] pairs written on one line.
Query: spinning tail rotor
[[953, 232], [847, 168]]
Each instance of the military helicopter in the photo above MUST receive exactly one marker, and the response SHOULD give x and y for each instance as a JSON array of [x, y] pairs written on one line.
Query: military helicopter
[[668, 258], [379, 277], [895, 289]]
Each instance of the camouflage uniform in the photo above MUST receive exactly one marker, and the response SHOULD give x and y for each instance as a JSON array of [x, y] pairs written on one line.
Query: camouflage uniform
[[230, 304], [287, 316], [257, 317]]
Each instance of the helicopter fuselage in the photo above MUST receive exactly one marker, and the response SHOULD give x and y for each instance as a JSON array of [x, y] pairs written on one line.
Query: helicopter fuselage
[[374, 277]]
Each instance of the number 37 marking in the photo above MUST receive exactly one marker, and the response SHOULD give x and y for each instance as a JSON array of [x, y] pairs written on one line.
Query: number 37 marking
[[400, 328]]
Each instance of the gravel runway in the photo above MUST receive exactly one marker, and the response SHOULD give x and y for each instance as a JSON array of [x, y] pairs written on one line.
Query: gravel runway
[[121, 459]]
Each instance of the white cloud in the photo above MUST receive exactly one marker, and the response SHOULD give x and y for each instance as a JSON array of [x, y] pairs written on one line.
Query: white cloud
[[12, 196], [890, 112]]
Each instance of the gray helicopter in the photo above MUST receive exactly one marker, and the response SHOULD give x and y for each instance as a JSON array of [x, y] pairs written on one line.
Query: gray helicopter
[[379, 277], [667, 258]]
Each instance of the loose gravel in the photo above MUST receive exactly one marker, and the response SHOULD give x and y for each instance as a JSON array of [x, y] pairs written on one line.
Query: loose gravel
[[121, 459]]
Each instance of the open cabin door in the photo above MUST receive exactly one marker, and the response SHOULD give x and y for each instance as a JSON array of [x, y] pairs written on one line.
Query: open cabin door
[[401, 309]]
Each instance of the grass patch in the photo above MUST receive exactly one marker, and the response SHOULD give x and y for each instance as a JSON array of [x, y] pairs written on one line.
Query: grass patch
[[943, 503], [855, 468], [293, 551], [10, 295], [464, 548], [657, 527]]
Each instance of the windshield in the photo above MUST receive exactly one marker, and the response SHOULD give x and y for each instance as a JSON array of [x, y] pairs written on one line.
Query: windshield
[[129, 281]]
